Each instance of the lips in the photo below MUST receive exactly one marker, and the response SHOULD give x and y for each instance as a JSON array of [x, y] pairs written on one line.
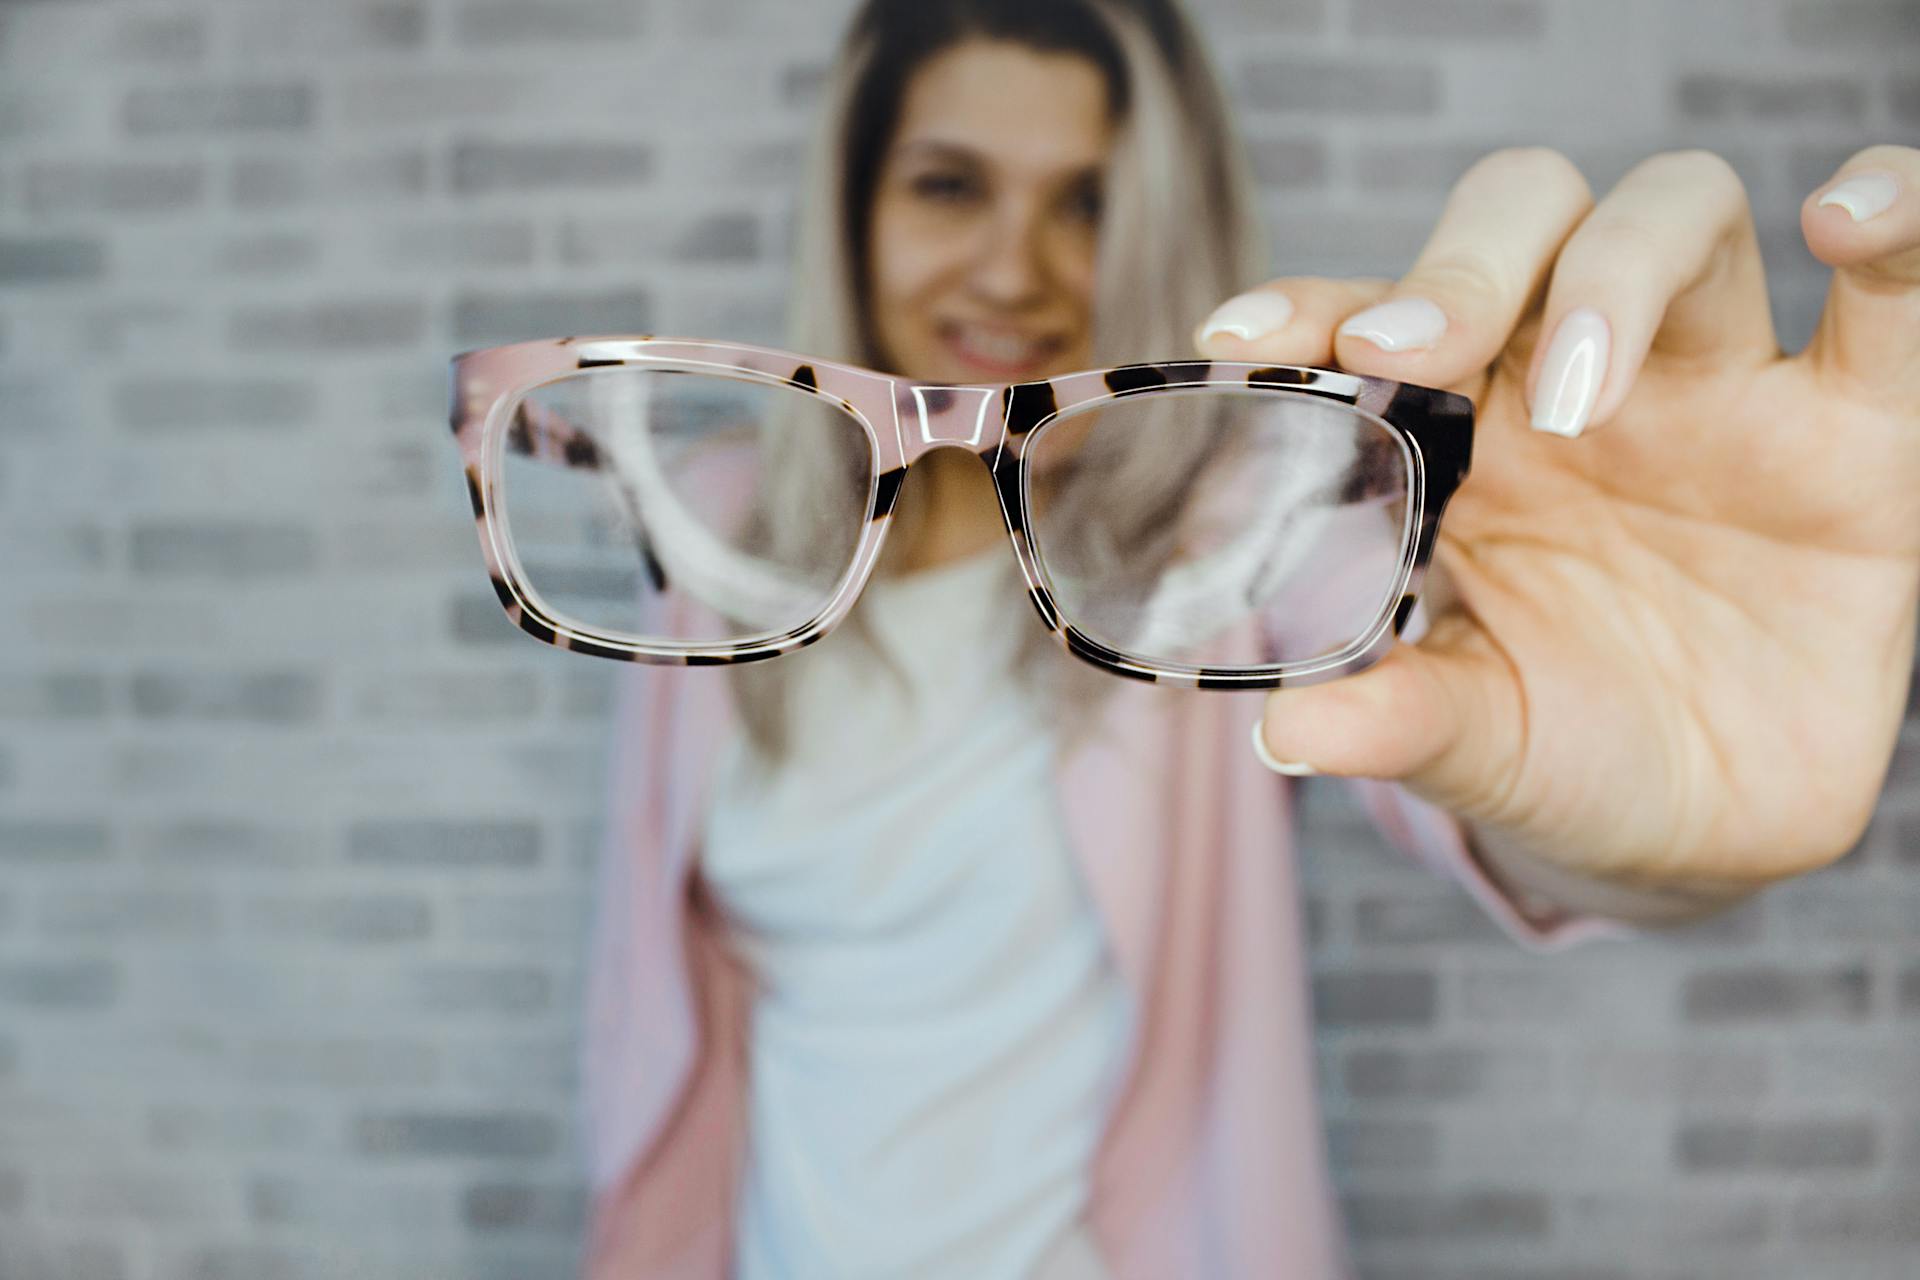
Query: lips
[[998, 350]]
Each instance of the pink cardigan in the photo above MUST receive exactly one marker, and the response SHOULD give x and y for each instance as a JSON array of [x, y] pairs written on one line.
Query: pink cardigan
[[1211, 1162]]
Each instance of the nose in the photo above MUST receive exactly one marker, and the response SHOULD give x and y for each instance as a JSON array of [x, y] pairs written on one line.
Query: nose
[[1009, 270], [933, 417]]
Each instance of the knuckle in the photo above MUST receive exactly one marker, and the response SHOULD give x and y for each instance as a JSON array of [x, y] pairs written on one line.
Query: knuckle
[[1469, 275], [1698, 169]]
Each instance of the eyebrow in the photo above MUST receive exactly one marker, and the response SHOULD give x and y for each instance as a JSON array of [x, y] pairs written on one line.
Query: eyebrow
[[946, 149]]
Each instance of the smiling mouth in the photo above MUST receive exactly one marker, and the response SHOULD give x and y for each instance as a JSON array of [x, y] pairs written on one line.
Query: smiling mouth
[[998, 351]]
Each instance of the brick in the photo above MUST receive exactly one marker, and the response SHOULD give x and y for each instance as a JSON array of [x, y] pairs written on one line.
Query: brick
[[1503, 1215], [54, 840], [1854, 1221], [488, 319], [185, 403], [1671, 1073], [59, 984], [230, 108], [518, 1068], [441, 1134], [1525, 995], [13, 1190], [266, 252], [1400, 919], [478, 167], [227, 844], [1817, 910], [350, 1064], [444, 245], [1371, 999], [160, 38], [1904, 97], [120, 914], [494, 990], [1772, 993], [476, 619], [119, 187], [515, 23], [43, 259], [1778, 1145], [52, 695], [333, 325], [148, 1197], [1446, 1073], [448, 696], [1479, 21], [31, 1255], [1289, 163], [307, 30], [523, 1206], [358, 918], [1672, 1219], [1904, 835], [1708, 95], [226, 1128], [253, 697], [1405, 1146], [226, 549], [1910, 991], [282, 180], [540, 922], [375, 1207], [53, 548], [1869, 24], [1341, 87], [429, 842], [706, 238]]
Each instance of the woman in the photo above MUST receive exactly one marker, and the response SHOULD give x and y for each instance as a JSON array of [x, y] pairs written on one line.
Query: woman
[[1050, 1020]]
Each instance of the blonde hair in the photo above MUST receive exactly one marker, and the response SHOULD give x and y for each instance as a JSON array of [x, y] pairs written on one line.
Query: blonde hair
[[1179, 233]]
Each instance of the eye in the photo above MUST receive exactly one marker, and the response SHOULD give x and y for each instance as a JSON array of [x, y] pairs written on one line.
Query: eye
[[1084, 202], [946, 186]]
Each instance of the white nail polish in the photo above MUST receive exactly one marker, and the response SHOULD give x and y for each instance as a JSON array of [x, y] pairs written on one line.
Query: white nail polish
[[1864, 195], [1405, 324], [1249, 316], [1570, 378], [1278, 766]]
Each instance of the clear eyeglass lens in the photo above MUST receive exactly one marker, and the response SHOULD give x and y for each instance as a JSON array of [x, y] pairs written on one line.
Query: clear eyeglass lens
[[1221, 527], [682, 508]]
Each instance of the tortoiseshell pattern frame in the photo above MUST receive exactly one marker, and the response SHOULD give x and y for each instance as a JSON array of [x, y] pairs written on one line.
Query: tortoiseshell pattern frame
[[904, 420]]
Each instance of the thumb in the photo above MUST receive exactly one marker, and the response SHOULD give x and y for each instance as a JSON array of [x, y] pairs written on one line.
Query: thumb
[[1444, 716]]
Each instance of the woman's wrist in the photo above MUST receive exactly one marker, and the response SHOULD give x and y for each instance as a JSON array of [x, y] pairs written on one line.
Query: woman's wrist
[[1545, 891]]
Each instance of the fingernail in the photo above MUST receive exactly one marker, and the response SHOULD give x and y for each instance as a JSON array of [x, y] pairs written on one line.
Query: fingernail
[[1405, 324], [1249, 316], [1576, 364], [1278, 766], [1864, 194]]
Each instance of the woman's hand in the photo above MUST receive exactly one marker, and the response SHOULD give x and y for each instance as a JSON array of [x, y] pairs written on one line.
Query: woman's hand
[[1671, 645]]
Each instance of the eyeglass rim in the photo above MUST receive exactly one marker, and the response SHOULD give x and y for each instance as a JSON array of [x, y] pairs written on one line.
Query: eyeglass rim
[[1435, 426]]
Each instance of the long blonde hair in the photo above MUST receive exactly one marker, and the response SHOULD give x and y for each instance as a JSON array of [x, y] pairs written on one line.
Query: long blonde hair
[[1179, 233]]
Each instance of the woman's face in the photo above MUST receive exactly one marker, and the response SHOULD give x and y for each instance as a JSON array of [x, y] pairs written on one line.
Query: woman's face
[[986, 216]]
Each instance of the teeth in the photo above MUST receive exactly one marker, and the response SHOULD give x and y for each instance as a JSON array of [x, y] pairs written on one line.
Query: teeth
[[998, 347]]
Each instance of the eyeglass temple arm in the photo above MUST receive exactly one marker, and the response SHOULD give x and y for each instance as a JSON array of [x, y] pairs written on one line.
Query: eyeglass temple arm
[[540, 433]]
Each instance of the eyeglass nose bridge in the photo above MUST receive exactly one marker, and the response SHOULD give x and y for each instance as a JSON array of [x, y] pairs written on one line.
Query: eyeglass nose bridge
[[934, 417]]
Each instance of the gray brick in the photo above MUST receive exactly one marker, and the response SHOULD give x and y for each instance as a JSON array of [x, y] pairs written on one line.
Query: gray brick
[[228, 549], [212, 108], [360, 918], [1524, 995], [1404, 998], [255, 697], [1419, 166], [226, 1128], [344, 1065], [523, 22], [1681, 1072], [9, 1058], [267, 253], [364, 1206], [1493, 1214], [1817, 910], [41, 259], [160, 38], [494, 990], [523, 1206], [1910, 991], [1904, 835], [440, 1134], [711, 237], [1289, 163], [1477, 20], [476, 619], [1675, 1221], [429, 842], [157, 1198], [1868, 24], [54, 548], [477, 167], [148, 403], [1445, 1073], [1856, 1220], [1783, 1145], [57, 188], [121, 914], [1904, 97], [541, 922], [486, 319], [52, 695], [448, 696], [30, 1255], [1710, 95], [443, 245], [306, 30], [1383, 919], [82, 842], [1773, 993], [280, 181], [13, 1190], [331, 325], [1402, 1146], [518, 1068], [59, 984], [1342, 87], [192, 844]]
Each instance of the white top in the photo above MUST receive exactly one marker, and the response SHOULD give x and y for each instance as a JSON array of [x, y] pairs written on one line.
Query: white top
[[938, 1028]]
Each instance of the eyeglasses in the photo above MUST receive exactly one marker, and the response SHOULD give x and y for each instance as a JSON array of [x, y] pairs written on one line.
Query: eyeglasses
[[1198, 523]]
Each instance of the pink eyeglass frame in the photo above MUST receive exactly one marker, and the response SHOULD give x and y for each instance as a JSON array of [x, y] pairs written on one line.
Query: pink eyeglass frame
[[904, 420]]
